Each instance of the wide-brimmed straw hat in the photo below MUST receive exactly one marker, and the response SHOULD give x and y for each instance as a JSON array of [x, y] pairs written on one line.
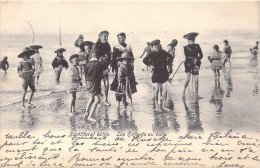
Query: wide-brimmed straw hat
[[60, 50], [36, 47], [191, 35], [173, 43], [87, 43], [26, 52]]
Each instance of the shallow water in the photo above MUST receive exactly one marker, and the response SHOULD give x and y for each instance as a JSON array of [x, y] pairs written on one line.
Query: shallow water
[[236, 106]]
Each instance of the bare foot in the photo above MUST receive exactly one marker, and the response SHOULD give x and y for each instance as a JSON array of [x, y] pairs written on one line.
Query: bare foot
[[91, 119], [86, 114], [164, 108], [157, 109], [31, 105], [72, 113], [199, 97], [107, 103], [131, 108]]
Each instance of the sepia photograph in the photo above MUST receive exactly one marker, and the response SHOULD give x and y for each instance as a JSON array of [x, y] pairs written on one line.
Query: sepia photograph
[[129, 84]]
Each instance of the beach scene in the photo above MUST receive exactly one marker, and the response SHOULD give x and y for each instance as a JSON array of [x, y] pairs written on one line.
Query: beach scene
[[230, 103]]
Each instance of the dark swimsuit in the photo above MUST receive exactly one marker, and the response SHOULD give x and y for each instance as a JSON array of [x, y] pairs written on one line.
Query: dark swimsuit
[[193, 56]]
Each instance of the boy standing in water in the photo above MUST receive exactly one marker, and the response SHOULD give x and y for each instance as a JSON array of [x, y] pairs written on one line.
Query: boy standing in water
[[58, 63], [159, 62], [26, 69], [93, 76], [4, 65], [75, 81], [227, 50], [193, 56]]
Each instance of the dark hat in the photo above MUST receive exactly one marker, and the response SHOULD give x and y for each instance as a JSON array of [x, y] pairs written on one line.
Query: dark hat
[[155, 42], [121, 34], [125, 57], [174, 43], [73, 56], [36, 47], [86, 43], [81, 36], [26, 51], [216, 47], [60, 50], [104, 31], [148, 43], [225, 41], [191, 35]]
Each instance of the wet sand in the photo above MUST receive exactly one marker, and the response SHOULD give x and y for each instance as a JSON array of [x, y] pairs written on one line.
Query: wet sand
[[233, 105]]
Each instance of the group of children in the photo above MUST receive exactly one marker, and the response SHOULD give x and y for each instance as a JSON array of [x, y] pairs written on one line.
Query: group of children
[[93, 60]]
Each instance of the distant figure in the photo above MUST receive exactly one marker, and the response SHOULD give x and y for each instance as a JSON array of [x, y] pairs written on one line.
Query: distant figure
[[4, 65], [74, 82], [26, 69], [79, 40], [58, 63], [171, 51], [216, 64], [93, 76], [228, 51], [253, 60], [85, 48], [147, 50], [193, 55], [124, 76], [38, 62], [159, 62], [102, 50]]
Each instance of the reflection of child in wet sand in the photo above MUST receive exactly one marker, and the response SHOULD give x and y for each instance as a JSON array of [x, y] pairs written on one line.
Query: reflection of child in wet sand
[[26, 69], [217, 96], [4, 65], [158, 61], [74, 82], [94, 75], [123, 80], [216, 64]]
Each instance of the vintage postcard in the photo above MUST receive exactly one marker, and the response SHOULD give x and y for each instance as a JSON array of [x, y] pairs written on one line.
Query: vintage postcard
[[121, 84]]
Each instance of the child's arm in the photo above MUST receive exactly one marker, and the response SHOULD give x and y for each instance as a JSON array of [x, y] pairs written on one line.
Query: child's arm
[[7, 65], [19, 69]]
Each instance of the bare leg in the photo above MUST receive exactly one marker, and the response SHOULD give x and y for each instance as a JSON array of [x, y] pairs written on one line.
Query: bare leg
[[93, 107], [196, 78], [129, 95], [106, 84], [31, 96], [218, 74], [164, 96], [186, 83], [156, 92], [215, 74], [90, 101], [23, 97], [72, 102]]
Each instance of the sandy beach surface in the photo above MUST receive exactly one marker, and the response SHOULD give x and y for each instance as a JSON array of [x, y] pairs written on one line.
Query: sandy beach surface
[[234, 105]]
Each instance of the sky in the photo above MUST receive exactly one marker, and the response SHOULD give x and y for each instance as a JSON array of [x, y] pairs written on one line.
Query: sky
[[81, 17]]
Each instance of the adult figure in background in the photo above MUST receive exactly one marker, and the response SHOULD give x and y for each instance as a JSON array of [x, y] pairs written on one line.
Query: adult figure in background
[[147, 49], [253, 60], [171, 51], [228, 51], [4, 65], [117, 53], [38, 62], [102, 50], [193, 56], [159, 62]]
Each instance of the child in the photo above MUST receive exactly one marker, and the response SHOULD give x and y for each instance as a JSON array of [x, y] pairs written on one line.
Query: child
[[58, 63], [85, 48], [253, 60], [93, 76], [158, 61], [26, 69], [216, 63], [227, 50], [74, 81], [4, 65], [38, 61], [124, 80]]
